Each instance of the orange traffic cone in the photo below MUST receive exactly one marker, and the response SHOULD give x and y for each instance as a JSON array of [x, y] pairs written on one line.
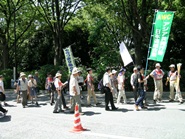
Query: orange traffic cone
[[77, 123]]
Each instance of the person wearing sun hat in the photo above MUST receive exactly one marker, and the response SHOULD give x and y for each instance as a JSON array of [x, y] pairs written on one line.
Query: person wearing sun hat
[[172, 78], [23, 88], [114, 82], [121, 86], [74, 90], [59, 86], [157, 75]]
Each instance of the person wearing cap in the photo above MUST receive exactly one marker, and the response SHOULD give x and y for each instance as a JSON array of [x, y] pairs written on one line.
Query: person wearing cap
[[32, 83], [90, 88], [157, 75], [23, 88], [121, 86], [140, 88], [2, 95], [172, 78], [108, 90], [114, 82], [74, 90], [133, 83], [59, 86]]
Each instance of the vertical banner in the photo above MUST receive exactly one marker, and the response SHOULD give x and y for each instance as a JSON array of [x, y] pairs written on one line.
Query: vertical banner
[[161, 32], [125, 54], [69, 58]]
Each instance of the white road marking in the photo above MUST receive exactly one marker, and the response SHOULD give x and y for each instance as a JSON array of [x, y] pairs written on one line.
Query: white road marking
[[108, 136]]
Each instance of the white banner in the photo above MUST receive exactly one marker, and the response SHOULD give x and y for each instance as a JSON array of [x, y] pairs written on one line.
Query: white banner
[[125, 54], [69, 58]]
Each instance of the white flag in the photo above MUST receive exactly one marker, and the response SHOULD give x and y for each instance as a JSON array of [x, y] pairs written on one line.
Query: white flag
[[125, 54]]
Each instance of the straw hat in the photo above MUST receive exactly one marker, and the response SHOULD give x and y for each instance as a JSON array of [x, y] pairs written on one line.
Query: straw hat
[[75, 70], [22, 74], [58, 74]]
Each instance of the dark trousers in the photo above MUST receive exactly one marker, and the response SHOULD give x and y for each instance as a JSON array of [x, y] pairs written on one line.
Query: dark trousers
[[63, 99], [2, 109], [108, 98], [141, 93], [135, 92]]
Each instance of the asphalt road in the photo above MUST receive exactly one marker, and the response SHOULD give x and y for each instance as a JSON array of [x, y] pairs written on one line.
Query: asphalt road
[[161, 121]]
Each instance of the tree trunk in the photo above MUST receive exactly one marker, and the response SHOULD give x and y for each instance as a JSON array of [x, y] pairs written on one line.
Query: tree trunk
[[5, 52]]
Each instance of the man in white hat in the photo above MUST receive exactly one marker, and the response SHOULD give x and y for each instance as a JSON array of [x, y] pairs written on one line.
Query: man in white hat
[[23, 88], [157, 74], [133, 82], [74, 90], [114, 82], [172, 78]]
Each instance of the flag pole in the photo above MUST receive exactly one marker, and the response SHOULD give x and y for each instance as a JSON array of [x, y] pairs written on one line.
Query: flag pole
[[150, 40]]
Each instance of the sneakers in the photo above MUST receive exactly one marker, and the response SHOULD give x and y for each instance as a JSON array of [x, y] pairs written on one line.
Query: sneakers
[[136, 107], [144, 108], [55, 111]]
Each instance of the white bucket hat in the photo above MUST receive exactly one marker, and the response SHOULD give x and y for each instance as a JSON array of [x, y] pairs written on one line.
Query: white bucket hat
[[172, 66], [114, 71], [157, 65], [22, 74], [75, 70], [58, 74]]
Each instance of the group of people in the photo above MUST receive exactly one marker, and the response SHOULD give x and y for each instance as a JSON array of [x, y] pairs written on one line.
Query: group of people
[[113, 85]]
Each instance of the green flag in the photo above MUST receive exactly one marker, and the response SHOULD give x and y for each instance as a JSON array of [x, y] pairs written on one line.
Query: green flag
[[161, 34]]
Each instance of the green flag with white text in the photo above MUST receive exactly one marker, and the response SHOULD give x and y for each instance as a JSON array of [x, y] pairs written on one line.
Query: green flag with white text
[[161, 32]]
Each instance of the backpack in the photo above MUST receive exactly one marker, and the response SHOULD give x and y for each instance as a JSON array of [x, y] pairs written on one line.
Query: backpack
[[53, 88], [100, 86]]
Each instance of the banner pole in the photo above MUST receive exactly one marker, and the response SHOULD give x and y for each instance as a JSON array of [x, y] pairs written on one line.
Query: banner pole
[[150, 41]]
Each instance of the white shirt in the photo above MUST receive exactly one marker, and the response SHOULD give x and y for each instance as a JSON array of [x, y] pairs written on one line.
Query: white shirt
[[121, 79], [2, 85], [23, 84], [132, 78], [58, 84], [73, 83], [32, 83], [106, 79]]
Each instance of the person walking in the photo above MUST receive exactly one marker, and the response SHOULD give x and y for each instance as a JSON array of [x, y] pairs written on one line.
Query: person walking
[[32, 84], [59, 86], [140, 89], [36, 77], [114, 83], [108, 90], [121, 86], [157, 75], [90, 88], [133, 82], [74, 90], [2, 95], [48, 86], [172, 78], [23, 88]]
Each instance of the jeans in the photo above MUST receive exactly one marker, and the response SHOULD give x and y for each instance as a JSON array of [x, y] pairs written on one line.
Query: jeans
[[139, 101]]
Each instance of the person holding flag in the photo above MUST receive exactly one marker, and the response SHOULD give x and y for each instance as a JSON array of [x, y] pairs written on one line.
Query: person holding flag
[[157, 75], [172, 78]]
